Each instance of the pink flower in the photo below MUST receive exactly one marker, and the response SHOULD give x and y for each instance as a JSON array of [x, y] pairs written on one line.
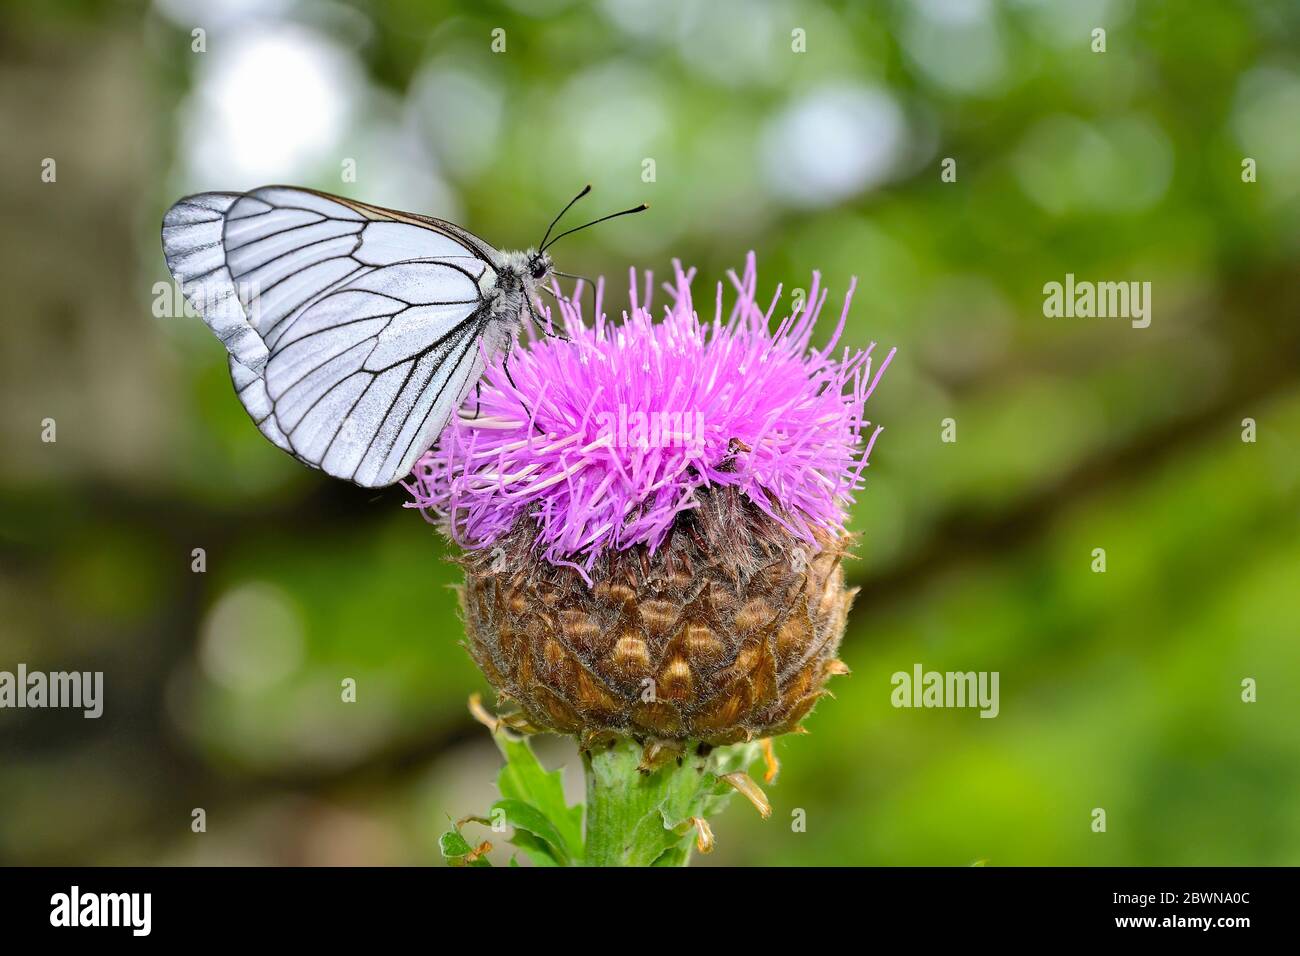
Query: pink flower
[[611, 434]]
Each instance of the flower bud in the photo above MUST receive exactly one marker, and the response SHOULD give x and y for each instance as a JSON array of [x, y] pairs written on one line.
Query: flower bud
[[726, 632]]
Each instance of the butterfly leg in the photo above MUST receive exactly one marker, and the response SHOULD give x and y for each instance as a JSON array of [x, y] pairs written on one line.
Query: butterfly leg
[[505, 367], [546, 328]]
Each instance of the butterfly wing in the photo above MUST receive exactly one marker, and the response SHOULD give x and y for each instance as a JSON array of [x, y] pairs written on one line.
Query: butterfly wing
[[194, 249], [251, 389], [332, 307], [364, 380]]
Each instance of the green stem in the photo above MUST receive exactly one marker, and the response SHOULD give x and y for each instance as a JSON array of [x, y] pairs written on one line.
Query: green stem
[[648, 819], [633, 817]]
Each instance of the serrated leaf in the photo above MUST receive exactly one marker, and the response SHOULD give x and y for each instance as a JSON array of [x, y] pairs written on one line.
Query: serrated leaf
[[525, 816], [457, 850], [538, 850], [650, 839], [523, 779], [453, 844]]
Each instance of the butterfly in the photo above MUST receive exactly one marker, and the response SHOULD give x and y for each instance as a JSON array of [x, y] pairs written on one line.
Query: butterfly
[[354, 332]]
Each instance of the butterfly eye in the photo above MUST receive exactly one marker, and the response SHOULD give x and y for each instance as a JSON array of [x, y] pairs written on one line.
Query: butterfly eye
[[538, 268]]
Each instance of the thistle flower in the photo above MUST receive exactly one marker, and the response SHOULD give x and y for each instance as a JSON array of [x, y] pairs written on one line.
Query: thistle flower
[[654, 515]]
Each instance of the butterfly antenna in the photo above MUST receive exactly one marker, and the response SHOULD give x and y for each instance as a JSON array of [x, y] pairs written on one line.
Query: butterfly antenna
[[614, 215], [585, 189]]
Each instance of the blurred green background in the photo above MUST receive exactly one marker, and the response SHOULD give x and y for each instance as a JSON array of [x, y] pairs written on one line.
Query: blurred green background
[[1119, 690]]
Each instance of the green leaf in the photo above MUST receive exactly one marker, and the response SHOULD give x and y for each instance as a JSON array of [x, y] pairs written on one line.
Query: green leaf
[[523, 781], [455, 849], [649, 839], [453, 844], [678, 855], [525, 816], [538, 850]]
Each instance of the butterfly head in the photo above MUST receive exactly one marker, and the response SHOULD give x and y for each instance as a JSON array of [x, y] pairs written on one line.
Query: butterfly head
[[539, 266]]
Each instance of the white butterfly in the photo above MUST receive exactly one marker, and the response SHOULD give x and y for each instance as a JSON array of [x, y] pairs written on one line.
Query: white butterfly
[[354, 332]]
